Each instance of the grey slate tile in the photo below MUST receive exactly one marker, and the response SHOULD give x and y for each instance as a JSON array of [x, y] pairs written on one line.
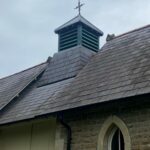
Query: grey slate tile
[[28, 106], [66, 64], [120, 70], [11, 86], [116, 72]]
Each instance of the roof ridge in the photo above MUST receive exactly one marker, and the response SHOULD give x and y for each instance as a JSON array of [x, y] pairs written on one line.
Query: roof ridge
[[77, 19], [23, 70], [91, 23], [134, 30], [66, 23]]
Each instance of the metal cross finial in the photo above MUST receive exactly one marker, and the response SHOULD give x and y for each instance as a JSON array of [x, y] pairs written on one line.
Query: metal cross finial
[[79, 6]]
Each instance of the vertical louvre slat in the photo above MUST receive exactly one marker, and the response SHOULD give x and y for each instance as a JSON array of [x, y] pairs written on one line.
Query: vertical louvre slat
[[90, 37], [90, 40], [89, 47], [90, 44], [68, 39], [90, 33], [78, 35]]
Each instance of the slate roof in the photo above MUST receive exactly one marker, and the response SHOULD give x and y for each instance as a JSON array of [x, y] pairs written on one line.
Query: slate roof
[[57, 76], [28, 105], [121, 69], [10, 87], [66, 64], [79, 19]]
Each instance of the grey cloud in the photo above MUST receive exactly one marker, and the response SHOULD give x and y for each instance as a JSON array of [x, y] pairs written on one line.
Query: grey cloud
[[27, 26]]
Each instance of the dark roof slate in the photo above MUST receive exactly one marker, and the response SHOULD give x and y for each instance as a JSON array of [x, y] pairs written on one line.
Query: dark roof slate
[[10, 87], [66, 64], [120, 70], [28, 105]]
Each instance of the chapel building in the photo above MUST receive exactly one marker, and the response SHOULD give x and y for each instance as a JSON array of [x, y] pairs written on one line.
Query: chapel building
[[84, 97]]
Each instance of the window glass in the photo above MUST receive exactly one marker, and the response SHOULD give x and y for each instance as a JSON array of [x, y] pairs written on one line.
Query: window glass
[[116, 140]]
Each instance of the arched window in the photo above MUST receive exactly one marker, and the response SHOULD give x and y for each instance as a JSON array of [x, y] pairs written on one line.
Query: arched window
[[114, 135], [116, 140]]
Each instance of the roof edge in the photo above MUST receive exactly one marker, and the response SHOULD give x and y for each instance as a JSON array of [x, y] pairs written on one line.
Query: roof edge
[[23, 70], [21, 90], [79, 17], [54, 113], [131, 31], [57, 29]]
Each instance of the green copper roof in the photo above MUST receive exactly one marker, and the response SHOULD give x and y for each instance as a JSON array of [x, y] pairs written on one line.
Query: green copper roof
[[79, 19]]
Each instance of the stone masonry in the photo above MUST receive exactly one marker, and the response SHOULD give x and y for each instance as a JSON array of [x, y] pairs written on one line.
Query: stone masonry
[[86, 124]]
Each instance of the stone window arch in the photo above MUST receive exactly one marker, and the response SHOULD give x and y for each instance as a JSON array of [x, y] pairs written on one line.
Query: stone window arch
[[113, 128]]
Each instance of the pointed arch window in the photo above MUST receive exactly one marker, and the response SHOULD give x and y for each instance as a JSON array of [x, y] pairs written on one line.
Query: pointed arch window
[[116, 140], [114, 135]]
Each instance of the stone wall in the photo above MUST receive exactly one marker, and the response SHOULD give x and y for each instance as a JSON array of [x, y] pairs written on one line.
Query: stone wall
[[86, 123]]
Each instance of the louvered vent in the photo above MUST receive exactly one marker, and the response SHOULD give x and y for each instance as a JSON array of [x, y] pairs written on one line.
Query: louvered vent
[[78, 31], [68, 39], [90, 40]]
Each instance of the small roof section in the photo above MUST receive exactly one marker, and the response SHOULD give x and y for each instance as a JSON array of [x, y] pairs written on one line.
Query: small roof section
[[12, 86], [66, 64], [79, 19]]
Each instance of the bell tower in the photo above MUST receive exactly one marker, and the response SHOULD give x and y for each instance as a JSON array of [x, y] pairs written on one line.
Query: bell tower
[[78, 31]]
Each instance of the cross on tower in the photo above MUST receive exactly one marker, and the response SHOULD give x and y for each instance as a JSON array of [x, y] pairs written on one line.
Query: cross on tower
[[79, 6]]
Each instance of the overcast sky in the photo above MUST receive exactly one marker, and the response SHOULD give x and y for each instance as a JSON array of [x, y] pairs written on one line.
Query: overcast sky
[[27, 27]]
